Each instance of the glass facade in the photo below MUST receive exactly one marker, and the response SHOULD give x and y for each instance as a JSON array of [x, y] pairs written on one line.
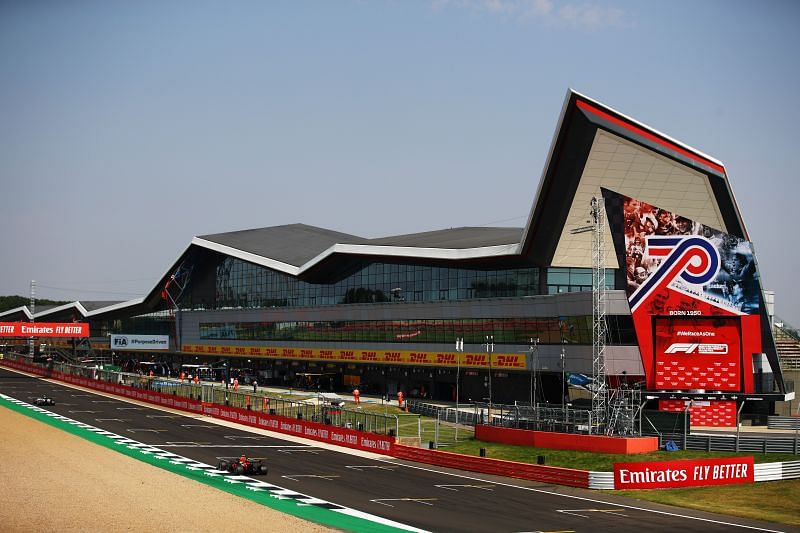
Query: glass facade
[[564, 330], [560, 280], [244, 285], [155, 323]]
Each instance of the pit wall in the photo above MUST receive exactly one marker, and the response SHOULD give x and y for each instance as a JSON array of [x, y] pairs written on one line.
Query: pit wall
[[567, 441], [302, 428]]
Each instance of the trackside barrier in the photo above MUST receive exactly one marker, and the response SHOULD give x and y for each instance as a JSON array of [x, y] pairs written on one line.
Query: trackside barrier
[[316, 410], [601, 480], [776, 471], [547, 474], [349, 438]]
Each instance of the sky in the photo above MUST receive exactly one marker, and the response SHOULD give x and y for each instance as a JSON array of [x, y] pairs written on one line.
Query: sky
[[128, 128]]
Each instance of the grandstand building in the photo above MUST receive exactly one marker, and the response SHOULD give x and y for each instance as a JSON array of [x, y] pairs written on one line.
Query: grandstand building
[[685, 312]]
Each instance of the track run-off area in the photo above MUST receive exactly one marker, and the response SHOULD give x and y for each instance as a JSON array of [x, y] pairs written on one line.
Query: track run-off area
[[341, 488]]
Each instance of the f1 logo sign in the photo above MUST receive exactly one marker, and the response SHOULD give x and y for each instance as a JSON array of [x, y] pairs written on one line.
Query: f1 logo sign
[[702, 349]]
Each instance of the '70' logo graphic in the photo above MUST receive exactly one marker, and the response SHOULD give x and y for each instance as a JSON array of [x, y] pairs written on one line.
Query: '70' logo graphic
[[694, 259]]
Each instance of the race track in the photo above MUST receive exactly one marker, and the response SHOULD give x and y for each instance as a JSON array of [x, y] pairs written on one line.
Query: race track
[[414, 495]]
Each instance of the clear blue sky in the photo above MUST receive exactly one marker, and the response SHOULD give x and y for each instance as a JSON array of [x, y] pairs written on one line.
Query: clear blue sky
[[127, 128]]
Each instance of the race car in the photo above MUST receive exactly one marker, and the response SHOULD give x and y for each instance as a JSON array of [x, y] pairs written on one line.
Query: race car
[[243, 465], [44, 400]]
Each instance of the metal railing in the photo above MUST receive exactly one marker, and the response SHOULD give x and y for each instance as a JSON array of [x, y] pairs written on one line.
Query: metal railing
[[732, 443], [783, 422], [312, 409], [547, 417]]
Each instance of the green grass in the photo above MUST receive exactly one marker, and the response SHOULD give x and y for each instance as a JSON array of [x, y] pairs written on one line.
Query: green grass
[[773, 501]]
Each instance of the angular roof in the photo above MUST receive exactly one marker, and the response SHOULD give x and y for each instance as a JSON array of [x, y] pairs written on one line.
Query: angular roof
[[456, 238], [293, 244], [84, 308]]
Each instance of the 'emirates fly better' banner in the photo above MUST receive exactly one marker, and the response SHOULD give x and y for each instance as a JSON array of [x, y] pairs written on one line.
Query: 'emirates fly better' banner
[[684, 473], [44, 329]]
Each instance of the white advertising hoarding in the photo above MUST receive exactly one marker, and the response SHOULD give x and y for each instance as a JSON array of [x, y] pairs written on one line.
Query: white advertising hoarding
[[140, 342]]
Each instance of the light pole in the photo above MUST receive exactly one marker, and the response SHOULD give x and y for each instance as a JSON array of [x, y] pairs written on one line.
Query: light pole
[[459, 351], [563, 381], [489, 350], [534, 360]]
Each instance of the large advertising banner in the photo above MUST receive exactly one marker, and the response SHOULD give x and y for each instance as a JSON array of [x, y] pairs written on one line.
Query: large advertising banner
[[698, 353], [694, 295], [706, 271], [499, 361], [683, 473], [44, 329]]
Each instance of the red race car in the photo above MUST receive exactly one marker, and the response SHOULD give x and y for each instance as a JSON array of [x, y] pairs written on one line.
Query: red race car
[[243, 465]]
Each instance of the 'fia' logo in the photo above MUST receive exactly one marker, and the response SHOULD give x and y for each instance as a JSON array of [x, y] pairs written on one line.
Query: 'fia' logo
[[120, 341]]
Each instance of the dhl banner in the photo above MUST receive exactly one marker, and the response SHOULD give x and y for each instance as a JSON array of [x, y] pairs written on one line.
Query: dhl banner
[[451, 359]]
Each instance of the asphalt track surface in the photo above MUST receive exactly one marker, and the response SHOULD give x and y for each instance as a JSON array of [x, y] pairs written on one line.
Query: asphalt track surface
[[427, 498]]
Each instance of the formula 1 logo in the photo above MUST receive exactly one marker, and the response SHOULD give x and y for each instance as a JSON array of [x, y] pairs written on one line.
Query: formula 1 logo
[[701, 349], [694, 259]]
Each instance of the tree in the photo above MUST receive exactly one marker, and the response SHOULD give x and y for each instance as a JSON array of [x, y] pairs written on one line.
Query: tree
[[12, 302]]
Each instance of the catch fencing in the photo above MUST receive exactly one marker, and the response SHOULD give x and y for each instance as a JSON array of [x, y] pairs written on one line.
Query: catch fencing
[[313, 409]]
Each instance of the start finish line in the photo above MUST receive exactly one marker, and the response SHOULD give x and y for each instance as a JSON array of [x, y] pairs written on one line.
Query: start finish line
[[44, 329]]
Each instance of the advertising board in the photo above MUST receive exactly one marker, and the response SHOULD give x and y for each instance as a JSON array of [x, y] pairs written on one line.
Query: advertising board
[[698, 353], [139, 342], [44, 329], [683, 473], [694, 294]]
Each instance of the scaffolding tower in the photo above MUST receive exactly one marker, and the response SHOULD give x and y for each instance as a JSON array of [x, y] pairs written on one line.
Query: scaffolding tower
[[599, 330]]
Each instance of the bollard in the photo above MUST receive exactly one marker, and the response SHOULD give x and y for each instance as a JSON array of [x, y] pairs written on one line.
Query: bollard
[[483, 452], [540, 459]]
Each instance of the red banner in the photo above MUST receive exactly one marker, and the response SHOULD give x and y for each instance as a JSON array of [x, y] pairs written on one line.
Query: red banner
[[698, 353], [44, 329], [684, 473]]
